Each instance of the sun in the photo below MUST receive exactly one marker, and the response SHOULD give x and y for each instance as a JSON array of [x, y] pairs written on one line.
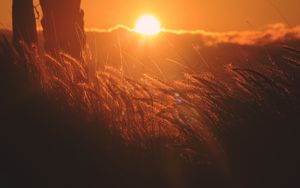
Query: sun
[[147, 25]]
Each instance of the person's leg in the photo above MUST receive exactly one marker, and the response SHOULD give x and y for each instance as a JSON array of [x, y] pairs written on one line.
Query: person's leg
[[63, 26], [50, 39], [24, 24]]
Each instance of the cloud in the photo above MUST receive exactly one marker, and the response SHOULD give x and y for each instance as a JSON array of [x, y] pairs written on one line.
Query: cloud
[[112, 29], [270, 34]]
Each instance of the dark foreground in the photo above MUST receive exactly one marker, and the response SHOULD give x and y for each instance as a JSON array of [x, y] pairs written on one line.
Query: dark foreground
[[46, 144]]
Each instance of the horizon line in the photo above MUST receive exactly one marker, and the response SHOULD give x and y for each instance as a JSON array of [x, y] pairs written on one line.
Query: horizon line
[[191, 31], [179, 31], [271, 33]]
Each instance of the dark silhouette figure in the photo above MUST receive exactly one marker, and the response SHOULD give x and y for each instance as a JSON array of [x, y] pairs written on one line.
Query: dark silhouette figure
[[63, 26], [24, 24]]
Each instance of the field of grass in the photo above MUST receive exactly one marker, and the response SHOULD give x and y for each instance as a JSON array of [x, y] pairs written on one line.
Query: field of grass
[[67, 123]]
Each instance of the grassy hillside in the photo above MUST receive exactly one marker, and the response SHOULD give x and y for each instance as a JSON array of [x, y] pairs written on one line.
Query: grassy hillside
[[231, 121]]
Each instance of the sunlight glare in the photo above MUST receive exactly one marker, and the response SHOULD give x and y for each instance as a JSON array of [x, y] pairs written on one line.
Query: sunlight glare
[[147, 25]]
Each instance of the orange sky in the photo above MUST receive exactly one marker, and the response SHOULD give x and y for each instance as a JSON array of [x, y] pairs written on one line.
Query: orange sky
[[211, 15]]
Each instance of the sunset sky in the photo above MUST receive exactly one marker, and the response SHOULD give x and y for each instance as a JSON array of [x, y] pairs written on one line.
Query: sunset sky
[[211, 15]]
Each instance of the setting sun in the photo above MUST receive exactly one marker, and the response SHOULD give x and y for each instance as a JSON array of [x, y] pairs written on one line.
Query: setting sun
[[147, 25]]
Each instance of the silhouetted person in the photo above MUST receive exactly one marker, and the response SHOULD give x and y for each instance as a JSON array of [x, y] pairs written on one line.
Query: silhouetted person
[[24, 25], [63, 26]]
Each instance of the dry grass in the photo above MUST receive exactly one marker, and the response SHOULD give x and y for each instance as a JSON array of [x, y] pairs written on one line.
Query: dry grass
[[188, 113], [199, 116]]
